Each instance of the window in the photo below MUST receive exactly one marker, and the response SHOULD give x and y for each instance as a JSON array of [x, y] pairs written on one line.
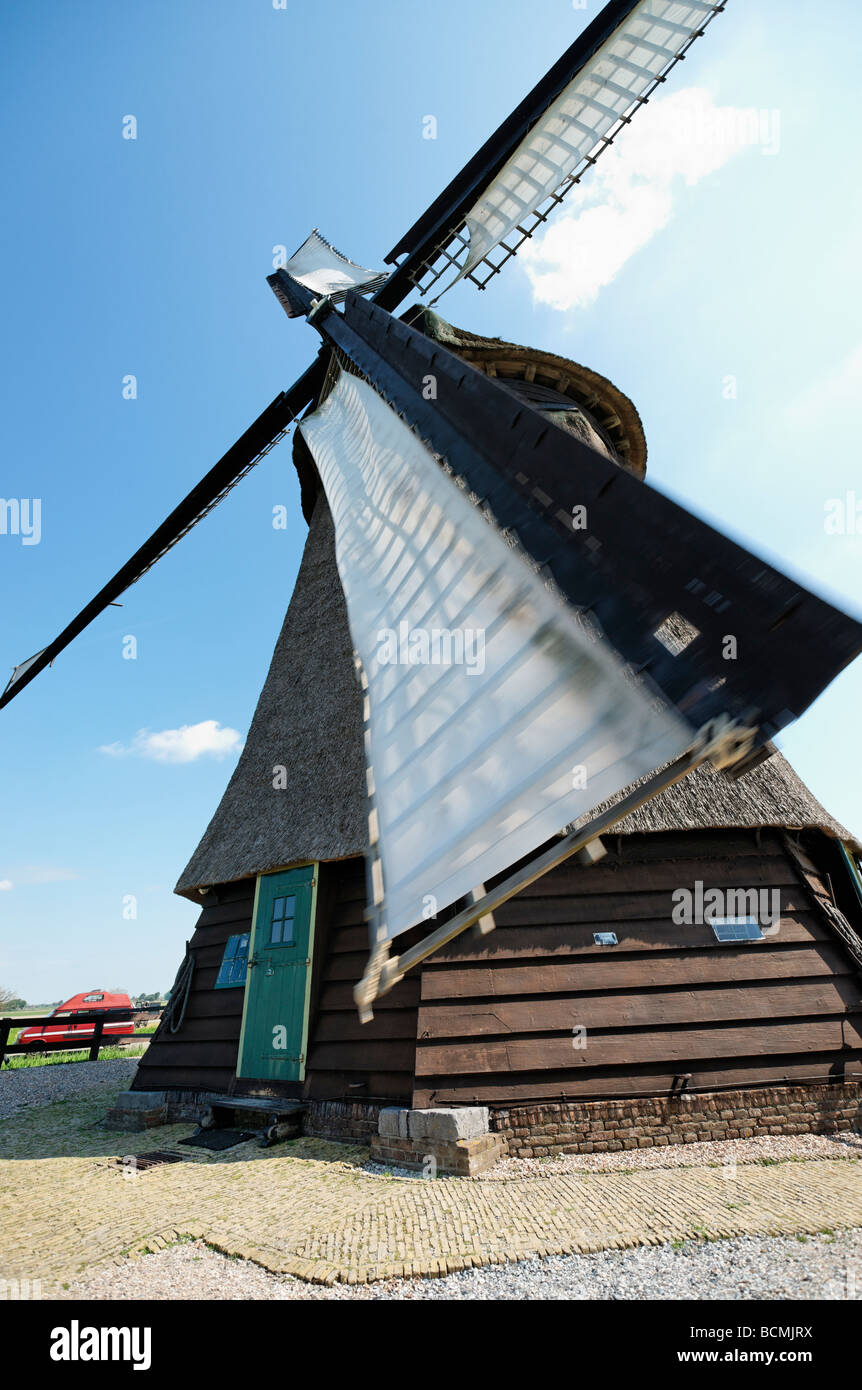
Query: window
[[93, 998], [676, 633], [281, 922], [736, 929], [605, 938], [234, 962]]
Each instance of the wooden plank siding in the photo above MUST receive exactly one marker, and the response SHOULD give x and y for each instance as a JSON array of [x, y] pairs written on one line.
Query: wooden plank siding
[[497, 1013], [347, 1059], [490, 1019], [202, 1055]]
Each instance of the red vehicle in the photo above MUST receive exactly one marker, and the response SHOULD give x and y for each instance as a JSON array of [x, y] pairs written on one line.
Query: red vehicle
[[66, 1030]]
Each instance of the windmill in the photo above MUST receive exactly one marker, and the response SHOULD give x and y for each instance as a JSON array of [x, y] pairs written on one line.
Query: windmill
[[536, 649]]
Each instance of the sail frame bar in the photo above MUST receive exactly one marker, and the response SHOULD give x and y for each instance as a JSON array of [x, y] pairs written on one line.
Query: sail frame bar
[[244, 454]]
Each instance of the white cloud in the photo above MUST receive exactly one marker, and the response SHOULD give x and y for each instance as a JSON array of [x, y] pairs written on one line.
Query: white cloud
[[629, 196], [183, 745], [44, 873], [30, 874]]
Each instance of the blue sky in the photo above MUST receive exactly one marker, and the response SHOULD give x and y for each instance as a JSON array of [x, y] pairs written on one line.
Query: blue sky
[[149, 257]]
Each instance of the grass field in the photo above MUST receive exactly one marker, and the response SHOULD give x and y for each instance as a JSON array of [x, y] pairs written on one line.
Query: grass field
[[53, 1059]]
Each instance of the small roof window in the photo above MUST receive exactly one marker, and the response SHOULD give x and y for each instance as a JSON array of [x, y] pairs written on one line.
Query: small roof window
[[605, 938]]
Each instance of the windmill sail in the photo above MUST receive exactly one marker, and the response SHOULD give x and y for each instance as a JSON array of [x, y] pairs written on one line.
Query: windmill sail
[[664, 587], [498, 710], [505, 193], [576, 125], [318, 268], [20, 670], [326, 272], [495, 716]]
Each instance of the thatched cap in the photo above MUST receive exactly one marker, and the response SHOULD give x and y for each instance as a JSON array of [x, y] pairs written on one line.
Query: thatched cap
[[573, 397], [593, 395]]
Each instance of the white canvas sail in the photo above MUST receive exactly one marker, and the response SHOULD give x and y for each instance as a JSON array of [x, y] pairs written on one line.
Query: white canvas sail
[[572, 128], [323, 270], [19, 671], [496, 717]]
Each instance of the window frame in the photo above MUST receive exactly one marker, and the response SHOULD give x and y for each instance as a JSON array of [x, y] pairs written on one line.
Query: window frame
[[730, 922], [230, 961]]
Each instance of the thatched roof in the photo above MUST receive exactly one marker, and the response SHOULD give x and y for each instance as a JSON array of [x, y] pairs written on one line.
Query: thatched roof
[[309, 721], [770, 795], [309, 716]]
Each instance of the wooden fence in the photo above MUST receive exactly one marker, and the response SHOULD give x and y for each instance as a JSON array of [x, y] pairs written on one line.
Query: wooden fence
[[92, 1043]]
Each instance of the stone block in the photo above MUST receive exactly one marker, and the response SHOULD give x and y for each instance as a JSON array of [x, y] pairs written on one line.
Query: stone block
[[463, 1157], [469, 1122], [392, 1122]]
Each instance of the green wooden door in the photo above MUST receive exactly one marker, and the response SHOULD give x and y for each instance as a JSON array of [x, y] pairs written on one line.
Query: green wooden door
[[278, 985]]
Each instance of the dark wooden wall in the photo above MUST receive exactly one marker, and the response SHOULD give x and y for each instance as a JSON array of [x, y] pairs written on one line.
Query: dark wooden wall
[[348, 1059], [202, 1055], [490, 1019], [345, 1058], [497, 1014]]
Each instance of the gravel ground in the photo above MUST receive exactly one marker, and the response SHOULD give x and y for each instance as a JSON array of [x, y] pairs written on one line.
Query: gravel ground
[[752, 1267], [720, 1153], [27, 1086]]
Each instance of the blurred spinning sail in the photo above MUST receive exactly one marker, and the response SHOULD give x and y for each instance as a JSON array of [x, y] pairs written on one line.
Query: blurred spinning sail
[[495, 717]]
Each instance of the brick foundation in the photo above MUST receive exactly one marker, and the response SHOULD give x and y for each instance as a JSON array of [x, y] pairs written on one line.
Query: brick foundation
[[133, 1121], [345, 1120], [596, 1126], [464, 1157], [593, 1126]]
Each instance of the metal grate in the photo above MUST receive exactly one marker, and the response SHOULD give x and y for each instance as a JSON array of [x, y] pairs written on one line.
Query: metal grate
[[139, 1163]]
